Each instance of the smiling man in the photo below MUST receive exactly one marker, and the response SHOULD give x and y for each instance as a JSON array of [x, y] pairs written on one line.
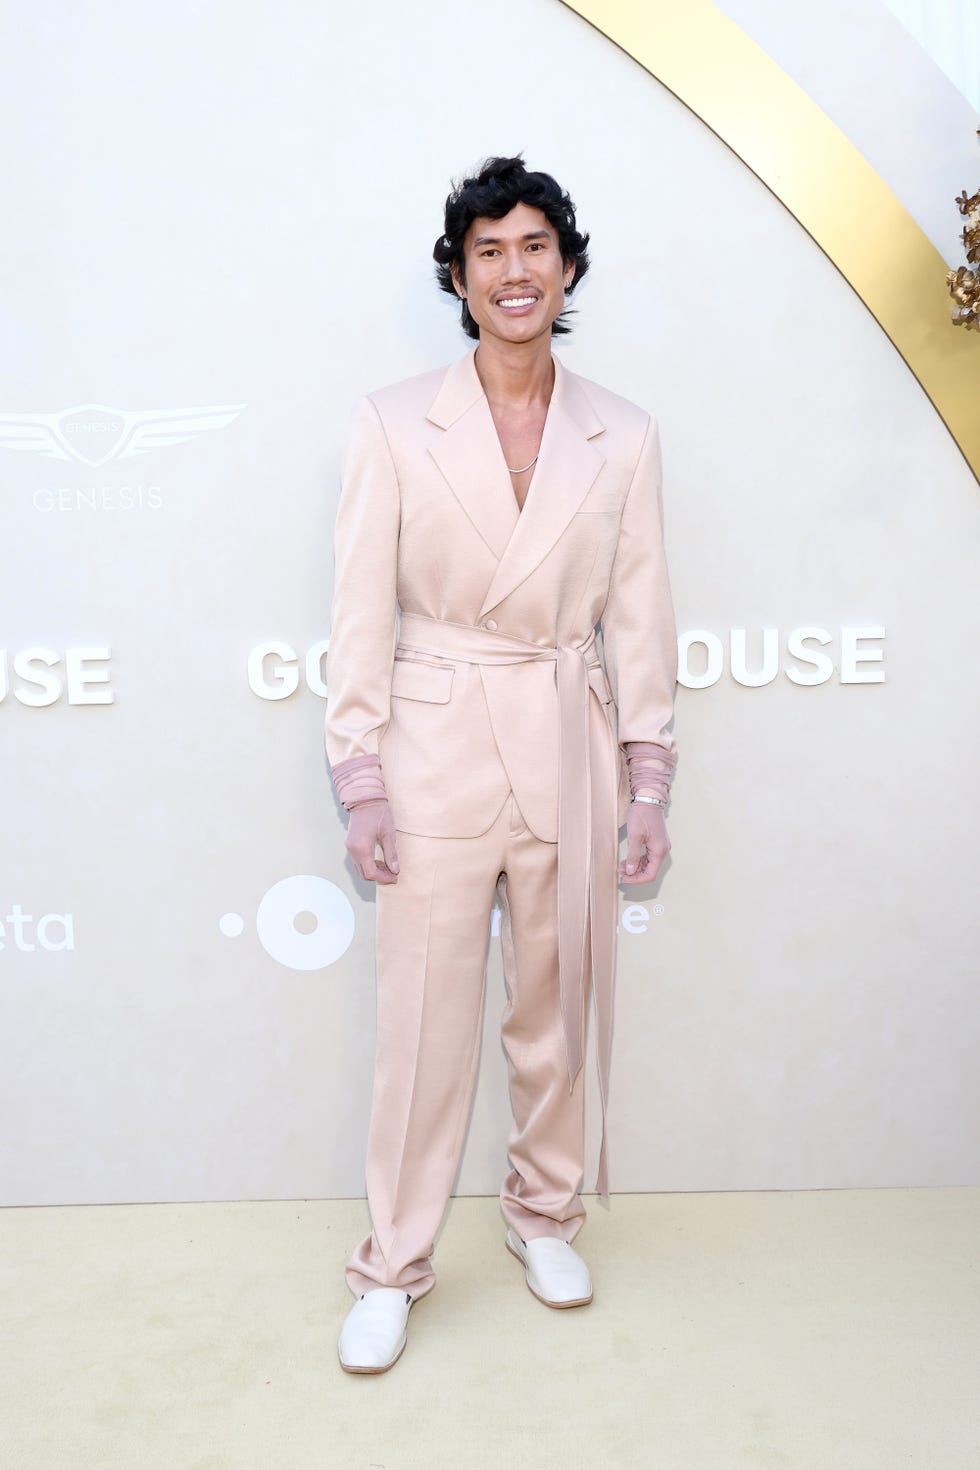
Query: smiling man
[[494, 514]]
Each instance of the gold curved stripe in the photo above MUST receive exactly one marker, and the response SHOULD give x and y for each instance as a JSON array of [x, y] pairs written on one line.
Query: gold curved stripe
[[774, 127]]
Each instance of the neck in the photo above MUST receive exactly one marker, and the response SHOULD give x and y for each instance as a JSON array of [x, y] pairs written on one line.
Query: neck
[[515, 374]]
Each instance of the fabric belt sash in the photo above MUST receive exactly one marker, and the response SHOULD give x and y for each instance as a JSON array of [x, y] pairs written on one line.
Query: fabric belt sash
[[588, 845]]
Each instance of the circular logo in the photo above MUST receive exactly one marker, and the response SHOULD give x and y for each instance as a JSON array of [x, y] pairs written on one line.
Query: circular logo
[[305, 922]]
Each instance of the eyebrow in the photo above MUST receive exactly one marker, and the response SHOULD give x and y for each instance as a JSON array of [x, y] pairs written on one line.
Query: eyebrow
[[495, 239]]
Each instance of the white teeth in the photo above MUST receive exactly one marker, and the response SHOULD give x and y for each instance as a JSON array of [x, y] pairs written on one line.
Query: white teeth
[[517, 301]]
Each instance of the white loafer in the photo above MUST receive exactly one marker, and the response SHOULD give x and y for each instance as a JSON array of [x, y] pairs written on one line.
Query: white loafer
[[556, 1274], [374, 1334]]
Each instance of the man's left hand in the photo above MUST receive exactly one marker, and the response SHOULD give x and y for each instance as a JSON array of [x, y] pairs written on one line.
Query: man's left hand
[[647, 843]]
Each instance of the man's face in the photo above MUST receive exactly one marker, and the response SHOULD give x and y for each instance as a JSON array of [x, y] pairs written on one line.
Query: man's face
[[515, 276]]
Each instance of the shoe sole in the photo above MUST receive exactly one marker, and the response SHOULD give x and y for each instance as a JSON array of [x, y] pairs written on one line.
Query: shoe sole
[[350, 1368], [582, 1301]]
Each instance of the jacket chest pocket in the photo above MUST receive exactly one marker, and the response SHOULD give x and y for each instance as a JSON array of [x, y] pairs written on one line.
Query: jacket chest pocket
[[603, 502], [430, 683]]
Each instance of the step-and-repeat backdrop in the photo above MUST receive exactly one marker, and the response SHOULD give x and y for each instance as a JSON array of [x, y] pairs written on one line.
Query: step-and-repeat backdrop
[[219, 225]]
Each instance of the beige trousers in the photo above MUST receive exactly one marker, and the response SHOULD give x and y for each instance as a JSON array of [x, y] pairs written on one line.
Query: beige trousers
[[432, 936]]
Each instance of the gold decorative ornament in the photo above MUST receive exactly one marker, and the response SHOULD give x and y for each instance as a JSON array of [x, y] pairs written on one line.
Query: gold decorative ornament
[[964, 283], [816, 172]]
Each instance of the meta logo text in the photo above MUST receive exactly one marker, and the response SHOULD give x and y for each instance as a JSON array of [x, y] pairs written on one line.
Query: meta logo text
[[52, 932]]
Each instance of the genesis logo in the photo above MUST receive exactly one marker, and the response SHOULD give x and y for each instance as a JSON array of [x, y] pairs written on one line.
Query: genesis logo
[[92, 434]]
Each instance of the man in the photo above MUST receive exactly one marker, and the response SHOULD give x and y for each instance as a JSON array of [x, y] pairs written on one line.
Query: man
[[492, 514]]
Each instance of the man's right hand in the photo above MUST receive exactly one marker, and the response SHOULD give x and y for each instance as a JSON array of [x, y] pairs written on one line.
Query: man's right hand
[[371, 826]]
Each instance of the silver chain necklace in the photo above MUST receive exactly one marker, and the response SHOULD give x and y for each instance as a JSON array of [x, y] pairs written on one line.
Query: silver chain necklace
[[524, 467]]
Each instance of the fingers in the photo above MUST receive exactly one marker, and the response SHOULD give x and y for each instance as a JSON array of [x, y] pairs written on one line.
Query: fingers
[[370, 869], [647, 844], [368, 866], [388, 848], [371, 826], [380, 873], [373, 871], [635, 855], [646, 872]]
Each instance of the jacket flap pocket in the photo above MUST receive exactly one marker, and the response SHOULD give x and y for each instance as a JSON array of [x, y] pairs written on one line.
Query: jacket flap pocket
[[432, 683]]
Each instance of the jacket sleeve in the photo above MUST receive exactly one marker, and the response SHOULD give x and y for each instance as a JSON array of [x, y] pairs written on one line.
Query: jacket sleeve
[[639, 634], [364, 615]]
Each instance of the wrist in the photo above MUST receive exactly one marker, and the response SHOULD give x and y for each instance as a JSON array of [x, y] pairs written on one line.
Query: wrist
[[358, 781]]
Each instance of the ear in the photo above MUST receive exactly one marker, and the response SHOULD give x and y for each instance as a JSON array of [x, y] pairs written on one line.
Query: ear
[[458, 282]]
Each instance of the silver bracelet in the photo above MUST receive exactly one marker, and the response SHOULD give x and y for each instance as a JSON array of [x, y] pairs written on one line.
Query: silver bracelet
[[653, 800]]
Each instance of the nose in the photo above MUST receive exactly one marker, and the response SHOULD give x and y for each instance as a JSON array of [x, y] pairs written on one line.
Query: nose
[[514, 267]]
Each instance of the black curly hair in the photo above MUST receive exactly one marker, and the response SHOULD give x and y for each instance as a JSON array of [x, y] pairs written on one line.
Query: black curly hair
[[500, 184]]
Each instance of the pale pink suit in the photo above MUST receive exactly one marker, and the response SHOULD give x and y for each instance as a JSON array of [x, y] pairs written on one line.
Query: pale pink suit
[[463, 654]]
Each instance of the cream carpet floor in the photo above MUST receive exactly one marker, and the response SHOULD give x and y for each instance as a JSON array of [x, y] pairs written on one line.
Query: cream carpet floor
[[823, 1330]]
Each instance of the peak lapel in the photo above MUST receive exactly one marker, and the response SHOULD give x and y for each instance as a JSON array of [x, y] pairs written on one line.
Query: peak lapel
[[568, 463], [469, 454]]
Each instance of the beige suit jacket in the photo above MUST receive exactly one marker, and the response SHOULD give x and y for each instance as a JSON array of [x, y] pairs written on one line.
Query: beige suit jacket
[[428, 524]]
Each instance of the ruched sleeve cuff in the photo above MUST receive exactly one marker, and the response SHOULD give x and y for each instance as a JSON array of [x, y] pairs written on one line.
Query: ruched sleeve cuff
[[651, 768], [358, 780]]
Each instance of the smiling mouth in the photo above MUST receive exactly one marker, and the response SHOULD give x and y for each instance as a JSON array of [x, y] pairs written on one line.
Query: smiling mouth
[[516, 303]]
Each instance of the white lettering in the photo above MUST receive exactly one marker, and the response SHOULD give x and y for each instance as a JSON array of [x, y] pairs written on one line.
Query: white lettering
[[85, 426], [98, 497], [817, 668], [281, 679], [823, 666], [78, 677], [851, 656], [316, 667], [285, 673], [43, 684], [67, 940], [714, 659], [770, 658], [48, 685], [17, 919], [635, 918]]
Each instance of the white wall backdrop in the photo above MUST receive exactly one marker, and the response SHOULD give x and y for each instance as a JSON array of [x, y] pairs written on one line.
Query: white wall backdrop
[[219, 226], [949, 30]]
